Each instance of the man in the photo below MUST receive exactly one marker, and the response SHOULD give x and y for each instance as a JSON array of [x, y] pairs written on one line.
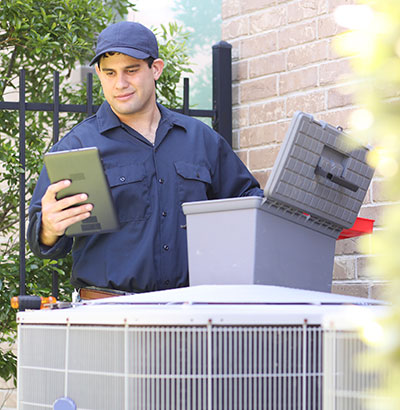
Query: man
[[154, 160]]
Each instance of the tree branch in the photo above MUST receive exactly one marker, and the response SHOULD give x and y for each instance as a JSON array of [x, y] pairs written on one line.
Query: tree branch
[[9, 70]]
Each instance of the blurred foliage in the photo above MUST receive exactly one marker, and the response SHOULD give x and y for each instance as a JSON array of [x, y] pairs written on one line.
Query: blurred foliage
[[373, 41], [43, 36], [172, 44]]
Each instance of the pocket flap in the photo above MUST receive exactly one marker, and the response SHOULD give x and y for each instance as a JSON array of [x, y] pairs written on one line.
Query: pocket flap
[[125, 174], [188, 170]]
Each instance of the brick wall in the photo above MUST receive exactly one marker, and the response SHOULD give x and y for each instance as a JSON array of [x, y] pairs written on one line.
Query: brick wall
[[283, 61]]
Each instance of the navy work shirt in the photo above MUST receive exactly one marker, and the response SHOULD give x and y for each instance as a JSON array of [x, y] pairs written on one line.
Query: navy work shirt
[[188, 162]]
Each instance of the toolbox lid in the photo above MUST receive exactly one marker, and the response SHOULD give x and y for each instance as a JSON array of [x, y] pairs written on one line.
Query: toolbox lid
[[320, 171]]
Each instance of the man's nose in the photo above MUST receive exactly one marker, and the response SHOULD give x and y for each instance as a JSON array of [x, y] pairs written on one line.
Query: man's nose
[[121, 81]]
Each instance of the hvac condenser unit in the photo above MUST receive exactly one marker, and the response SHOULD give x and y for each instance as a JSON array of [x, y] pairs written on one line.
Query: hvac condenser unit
[[199, 348], [350, 381]]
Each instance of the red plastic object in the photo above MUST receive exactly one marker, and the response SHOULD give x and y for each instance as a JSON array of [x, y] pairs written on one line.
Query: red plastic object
[[362, 226]]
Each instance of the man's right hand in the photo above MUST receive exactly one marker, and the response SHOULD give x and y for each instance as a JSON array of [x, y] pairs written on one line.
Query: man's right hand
[[58, 215]]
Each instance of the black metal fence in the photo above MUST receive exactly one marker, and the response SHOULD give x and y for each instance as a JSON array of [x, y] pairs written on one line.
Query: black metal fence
[[220, 114]]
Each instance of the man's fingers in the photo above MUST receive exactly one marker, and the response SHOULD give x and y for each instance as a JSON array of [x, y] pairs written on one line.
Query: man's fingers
[[62, 225], [57, 215], [75, 211], [69, 213], [57, 222], [70, 201], [51, 204], [53, 189]]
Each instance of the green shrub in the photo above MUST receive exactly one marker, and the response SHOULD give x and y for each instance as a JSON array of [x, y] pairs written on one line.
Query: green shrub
[[43, 36]]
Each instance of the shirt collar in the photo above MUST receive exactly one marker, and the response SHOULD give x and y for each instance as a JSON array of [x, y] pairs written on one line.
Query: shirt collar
[[107, 119], [172, 117]]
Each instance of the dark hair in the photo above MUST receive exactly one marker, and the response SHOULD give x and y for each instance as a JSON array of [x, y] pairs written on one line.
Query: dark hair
[[148, 60]]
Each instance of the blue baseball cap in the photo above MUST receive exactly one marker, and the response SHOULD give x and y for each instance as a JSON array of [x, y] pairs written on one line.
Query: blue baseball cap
[[127, 37]]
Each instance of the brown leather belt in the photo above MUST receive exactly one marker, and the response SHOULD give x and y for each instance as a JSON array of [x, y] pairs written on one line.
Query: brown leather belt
[[99, 293]]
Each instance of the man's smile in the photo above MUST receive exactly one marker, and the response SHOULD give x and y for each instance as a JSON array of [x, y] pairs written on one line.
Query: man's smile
[[123, 97]]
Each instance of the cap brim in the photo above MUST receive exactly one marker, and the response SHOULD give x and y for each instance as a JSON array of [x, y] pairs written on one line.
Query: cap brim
[[132, 52]]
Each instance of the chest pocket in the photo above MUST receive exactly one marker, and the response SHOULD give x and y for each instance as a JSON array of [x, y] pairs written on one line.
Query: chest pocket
[[194, 181], [130, 190]]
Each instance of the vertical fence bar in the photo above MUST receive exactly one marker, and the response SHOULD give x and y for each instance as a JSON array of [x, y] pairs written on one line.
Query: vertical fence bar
[[56, 135], [56, 106], [22, 264], [186, 96], [89, 94], [222, 89]]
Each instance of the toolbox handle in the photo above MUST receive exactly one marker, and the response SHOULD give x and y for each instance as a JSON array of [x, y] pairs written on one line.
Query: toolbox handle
[[324, 168]]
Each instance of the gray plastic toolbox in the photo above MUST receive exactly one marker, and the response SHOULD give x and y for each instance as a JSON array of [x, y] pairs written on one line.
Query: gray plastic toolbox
[[315, 190]]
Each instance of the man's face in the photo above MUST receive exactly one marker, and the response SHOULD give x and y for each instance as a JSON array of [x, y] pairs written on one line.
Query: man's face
[[128, 84]]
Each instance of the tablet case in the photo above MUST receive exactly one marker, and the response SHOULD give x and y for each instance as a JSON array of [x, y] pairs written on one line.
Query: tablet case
[[84, 168]]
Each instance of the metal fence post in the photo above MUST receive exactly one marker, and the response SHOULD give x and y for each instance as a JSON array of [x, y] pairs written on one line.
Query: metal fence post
[[56, 106], [185, 96], [56, 135], [222, 89], [89, 94], [22, 183]]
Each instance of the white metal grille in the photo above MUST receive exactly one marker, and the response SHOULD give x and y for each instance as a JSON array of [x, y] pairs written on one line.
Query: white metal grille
[[171, 368], [349, 383]]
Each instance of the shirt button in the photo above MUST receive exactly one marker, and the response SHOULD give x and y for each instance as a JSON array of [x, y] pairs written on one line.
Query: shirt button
[[122, 179], [166, 282], [161, 181], [164, 213], [166, 247]]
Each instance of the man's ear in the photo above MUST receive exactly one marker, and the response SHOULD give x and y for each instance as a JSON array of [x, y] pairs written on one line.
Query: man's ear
[[157, 67], [96, 67]]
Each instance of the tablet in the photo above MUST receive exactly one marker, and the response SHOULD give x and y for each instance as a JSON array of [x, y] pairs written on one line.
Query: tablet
[[84, 169]]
